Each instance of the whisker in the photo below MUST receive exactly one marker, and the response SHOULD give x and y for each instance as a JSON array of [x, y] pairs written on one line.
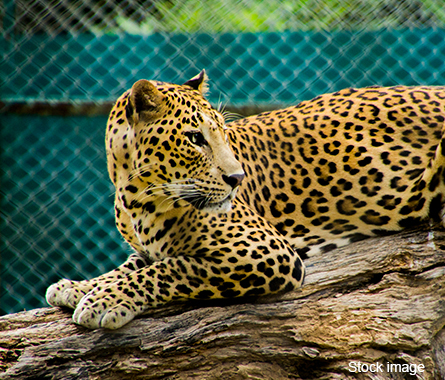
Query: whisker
[[136, 172], [230, 116]]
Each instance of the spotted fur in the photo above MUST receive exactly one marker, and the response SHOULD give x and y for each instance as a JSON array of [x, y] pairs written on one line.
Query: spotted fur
[[345, 166], [323, 174]]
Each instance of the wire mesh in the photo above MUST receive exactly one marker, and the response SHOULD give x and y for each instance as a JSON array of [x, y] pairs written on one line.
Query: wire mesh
[[275, 52], [57, 204]]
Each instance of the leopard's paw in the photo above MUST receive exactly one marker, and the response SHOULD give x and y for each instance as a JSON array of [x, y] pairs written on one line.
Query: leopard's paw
[[100, 309], [65, 293]]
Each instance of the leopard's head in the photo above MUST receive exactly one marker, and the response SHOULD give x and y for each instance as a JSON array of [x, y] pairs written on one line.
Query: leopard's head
[[167, 144]]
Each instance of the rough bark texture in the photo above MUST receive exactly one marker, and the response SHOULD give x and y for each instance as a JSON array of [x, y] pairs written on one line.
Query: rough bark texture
[[381, 300]]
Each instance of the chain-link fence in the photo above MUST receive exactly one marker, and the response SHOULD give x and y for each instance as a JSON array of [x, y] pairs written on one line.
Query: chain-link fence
[[56, 205]]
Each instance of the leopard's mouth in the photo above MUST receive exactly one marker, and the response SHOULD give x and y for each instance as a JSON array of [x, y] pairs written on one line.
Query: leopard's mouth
[[203, 203]]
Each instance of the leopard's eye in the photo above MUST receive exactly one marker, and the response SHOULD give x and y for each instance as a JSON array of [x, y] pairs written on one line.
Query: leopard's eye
[[196, 138]]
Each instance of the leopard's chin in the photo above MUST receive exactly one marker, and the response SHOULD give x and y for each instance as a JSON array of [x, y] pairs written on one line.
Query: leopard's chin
[[219, 207]]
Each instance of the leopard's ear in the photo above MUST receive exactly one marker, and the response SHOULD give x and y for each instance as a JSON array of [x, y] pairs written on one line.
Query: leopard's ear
[[199, 82], [145, 102]]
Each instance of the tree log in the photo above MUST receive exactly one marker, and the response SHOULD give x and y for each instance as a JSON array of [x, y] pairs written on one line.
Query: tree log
[[380, 302]]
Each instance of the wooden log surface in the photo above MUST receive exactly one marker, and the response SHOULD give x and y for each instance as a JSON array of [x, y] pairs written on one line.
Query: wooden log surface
[[380, 302]]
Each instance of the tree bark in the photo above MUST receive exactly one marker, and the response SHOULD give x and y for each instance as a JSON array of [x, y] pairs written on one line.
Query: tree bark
[[380, 302]]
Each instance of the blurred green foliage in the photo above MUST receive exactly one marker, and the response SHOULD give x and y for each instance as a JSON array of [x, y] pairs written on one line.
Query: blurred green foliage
[[213, 16], [144, 17]]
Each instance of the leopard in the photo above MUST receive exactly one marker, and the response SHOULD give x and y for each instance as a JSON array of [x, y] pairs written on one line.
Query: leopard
[[218, 209]]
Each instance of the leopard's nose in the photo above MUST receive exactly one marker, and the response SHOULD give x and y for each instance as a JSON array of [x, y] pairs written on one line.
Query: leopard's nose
[[233, 180]]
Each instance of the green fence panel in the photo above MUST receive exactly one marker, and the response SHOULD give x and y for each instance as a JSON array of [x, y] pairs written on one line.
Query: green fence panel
[[56, 206], [245, 68]]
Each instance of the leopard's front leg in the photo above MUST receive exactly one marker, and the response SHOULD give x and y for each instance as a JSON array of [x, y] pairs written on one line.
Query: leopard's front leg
[[269, 268], [68, 293]]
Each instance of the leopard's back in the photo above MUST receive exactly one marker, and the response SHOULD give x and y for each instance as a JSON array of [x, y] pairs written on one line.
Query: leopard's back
[[345, 166]]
